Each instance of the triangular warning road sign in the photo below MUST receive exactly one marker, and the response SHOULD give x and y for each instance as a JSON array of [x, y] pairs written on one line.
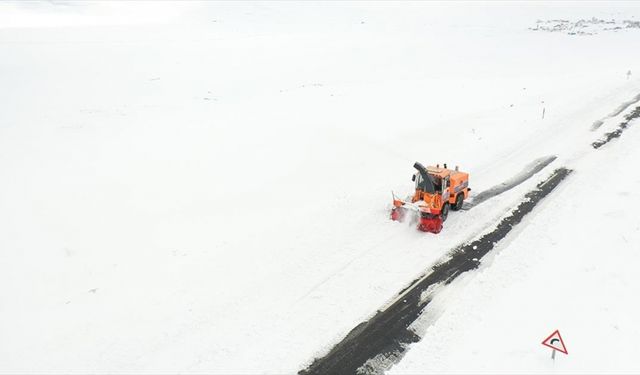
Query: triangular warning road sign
[[554, 341]]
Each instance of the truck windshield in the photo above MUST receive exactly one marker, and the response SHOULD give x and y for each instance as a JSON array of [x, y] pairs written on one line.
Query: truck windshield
[[437, 183], [426, 186]]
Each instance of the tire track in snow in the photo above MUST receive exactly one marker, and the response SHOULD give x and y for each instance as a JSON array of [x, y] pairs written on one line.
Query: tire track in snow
[[528, 172], [376, 344], [618, 111]]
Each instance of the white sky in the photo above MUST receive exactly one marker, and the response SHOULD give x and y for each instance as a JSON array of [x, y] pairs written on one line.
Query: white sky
[[88, 13]]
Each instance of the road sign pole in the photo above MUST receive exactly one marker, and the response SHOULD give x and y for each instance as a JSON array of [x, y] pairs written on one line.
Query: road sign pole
[[553, 354]]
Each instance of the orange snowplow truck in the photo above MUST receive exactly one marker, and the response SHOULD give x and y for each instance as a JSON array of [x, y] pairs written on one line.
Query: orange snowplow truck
[[437, 191]]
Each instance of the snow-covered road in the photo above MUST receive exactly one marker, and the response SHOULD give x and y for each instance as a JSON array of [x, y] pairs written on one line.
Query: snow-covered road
[[375, 345], [572, 267]]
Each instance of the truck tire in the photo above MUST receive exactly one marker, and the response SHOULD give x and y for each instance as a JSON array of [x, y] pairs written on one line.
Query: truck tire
[[459, 201], [445, 212]]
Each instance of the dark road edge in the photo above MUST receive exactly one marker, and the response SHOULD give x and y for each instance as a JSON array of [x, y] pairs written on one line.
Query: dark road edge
[[618, 132], [387, 333]]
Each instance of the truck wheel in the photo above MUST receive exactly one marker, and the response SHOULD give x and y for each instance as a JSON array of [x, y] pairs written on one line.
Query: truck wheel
[[459, 200], [445, 212]]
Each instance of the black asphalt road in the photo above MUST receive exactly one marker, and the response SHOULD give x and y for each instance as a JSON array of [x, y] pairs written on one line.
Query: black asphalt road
[[387, 333]]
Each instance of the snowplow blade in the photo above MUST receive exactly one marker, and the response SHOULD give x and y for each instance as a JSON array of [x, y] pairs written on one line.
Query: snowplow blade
[[426, 222], [430, 223]]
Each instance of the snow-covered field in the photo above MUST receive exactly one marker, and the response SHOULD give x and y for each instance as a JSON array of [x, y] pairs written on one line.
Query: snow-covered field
[[204, 186]]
